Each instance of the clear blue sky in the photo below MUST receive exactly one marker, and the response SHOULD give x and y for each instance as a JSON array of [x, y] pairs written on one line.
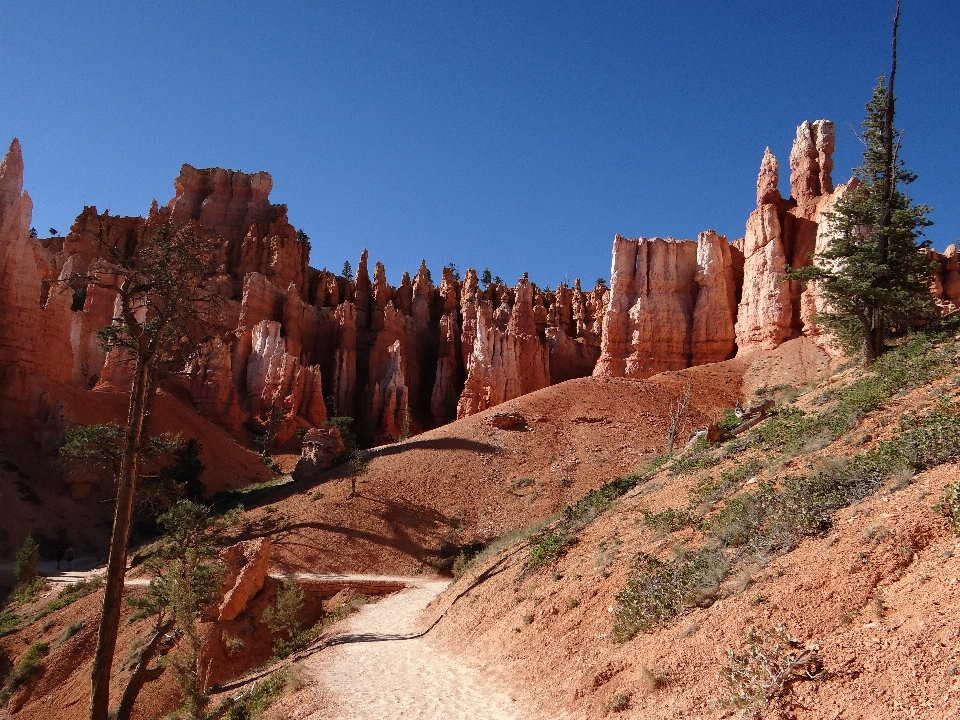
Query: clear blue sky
[[513, 135]]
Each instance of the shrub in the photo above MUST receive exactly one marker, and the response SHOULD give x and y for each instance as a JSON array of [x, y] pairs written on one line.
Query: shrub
[[283, 619], [262, 695], [597, 501], [708, 491], [25, 563], [697, 457], [669, 520], [619, 702], [729, 421], [23, 594], [68, 632], [764, 673], [20, 674], [8, 622], [547, 546], [949, 505], [657, 591]]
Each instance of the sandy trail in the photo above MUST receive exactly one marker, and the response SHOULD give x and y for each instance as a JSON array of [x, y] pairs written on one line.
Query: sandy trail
[[380, 669]]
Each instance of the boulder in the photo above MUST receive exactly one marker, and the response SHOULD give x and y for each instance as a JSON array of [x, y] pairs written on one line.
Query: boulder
[[322, 447], [506, 420], [246, 565]]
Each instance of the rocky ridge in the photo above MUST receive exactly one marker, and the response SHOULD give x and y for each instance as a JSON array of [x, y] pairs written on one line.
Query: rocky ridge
[[311, 344]]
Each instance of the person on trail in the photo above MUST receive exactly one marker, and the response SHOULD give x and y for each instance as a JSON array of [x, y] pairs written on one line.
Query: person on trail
[[68, 556], [59, 555]]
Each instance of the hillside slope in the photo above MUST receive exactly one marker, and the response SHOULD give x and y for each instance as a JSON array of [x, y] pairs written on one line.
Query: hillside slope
[[814, 523], [468, 482]]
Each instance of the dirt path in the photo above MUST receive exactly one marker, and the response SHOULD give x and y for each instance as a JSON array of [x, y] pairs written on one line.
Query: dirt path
[[380, 669]]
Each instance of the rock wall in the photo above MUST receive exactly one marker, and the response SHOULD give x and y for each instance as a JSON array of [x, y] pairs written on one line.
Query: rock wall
[[679, 303], [293, 339], [312, 344], [672, 304]]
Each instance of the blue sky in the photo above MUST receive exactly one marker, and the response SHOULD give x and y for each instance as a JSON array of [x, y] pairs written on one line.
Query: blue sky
[[518, 136]]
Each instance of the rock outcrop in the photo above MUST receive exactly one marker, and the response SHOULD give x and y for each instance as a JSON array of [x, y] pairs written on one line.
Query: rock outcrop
[[675, 303], [506, 362], [672, 304], [321, 448], [712, 337], [309, 343], [246, 565]]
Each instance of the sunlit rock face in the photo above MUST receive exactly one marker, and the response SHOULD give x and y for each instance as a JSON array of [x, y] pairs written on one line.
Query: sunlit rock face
[[311, 344]]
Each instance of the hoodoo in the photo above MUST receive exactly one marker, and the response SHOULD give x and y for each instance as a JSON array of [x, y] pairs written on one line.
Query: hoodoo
[[309, 343]]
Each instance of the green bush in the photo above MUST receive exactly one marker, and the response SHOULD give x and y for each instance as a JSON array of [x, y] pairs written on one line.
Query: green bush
[[264, 693], [23, 594], [657, 591], [8, 622], [597, 501], [25, 563], [729, 421], [708, 491], [700, 456], [283, 619], [548, 546], [669, 520], [20, 674]]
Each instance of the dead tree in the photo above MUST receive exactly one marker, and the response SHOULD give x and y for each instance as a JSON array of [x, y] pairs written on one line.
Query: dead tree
[[676, 416]]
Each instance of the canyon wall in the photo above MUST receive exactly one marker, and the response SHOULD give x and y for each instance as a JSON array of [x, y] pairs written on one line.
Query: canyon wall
[[293, 341], [306, 344]]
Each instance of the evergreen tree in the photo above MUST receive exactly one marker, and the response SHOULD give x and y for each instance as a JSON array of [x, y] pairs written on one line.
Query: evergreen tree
[[347, 272], [873, 275], [486, 278], [166, 312]]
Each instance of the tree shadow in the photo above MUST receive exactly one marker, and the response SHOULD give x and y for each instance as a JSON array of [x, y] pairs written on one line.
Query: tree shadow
[[437, 444]]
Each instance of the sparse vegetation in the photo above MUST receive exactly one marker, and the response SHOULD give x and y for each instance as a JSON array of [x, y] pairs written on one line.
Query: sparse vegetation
[[949, 505], [283, 619], [669, 520], [763, 675], [70, 594], [252, 705], [69, 630], [20, 675], [549, 544], [657, 591], [700, 455], [619, 702]]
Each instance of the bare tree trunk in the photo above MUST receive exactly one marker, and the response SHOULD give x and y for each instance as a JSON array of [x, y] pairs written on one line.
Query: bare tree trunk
[[117, 563], [141, 674], [676, 414], [889, 160]]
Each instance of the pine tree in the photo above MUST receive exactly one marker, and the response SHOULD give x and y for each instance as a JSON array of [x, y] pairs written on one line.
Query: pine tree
[[347, 272], [873, 275], [166, 312]]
